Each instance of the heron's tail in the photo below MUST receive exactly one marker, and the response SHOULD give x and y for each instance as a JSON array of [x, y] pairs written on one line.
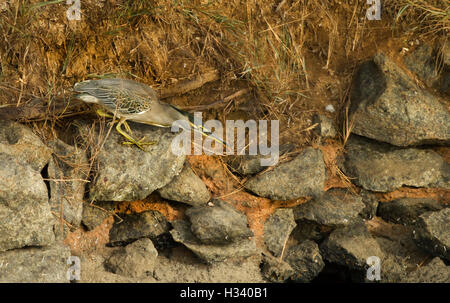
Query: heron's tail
[[199, 127]]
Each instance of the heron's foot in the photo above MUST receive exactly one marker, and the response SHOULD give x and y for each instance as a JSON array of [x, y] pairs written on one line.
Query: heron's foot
[[131, 140], [139, 143]]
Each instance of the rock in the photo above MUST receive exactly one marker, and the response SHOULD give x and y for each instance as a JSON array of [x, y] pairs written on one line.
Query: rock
[[445, 81], [301, 177], [251, 164], [94, 214], [445, 52], [148, 224], [276, 270], [184, 267], [66, 197], [134, 260], [35, 265], [247, 164], [392, 267], [371, 202], [325, 127], [432, 66], [305, 260], [386, 105], [177, 266], [310, 230], [350, 246], [20, 142], [434, 272], [383, 168], [445, 74], [334, 208], [187, 188], [432, 232], [422, 61], [406, 210], [127, 173], [211, 253], [25, 217], [218, 224], [400, 253], [277, 229]]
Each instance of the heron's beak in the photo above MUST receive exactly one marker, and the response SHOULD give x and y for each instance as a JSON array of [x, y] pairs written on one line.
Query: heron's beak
[[207, 133]]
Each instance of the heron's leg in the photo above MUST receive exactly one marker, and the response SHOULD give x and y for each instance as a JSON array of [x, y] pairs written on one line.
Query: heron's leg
[[104, 114], [139, 143], [127, 127]]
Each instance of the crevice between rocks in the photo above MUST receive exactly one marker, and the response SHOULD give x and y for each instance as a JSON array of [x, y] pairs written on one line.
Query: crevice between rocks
[[335, 273], [45, 177]]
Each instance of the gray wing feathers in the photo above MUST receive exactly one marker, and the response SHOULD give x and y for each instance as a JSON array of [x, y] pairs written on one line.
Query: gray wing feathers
[[108, 91], [116, 84]]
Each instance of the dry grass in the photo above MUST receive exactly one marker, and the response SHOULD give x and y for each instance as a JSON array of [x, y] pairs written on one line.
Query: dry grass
[[294, 56], [421, 17]]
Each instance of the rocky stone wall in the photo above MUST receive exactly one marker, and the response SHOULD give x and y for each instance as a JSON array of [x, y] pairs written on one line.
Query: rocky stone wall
[[396, 128]]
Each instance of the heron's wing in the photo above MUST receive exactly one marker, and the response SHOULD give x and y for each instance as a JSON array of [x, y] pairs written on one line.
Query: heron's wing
[[125, 96]]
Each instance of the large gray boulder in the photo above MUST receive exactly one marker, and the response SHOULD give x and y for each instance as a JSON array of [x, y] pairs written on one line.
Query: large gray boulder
[[386, 105], [147, 224], [422, 61], [334, 208], [305, 260], [401, 254], [350, 246], [432, 232], [277, 229], [434, 272], [35, 265], [67, 172], [431, 65], [406, 210], [301, 177], [187, 188], [211, 253], [127, 173], [25, 217], [218, 224], [20, 142], [381, 167], [134, 260]]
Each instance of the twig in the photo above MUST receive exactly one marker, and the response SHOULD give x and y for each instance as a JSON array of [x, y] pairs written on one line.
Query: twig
[[107, 211], [188, 85], [62, 219], [284, 247], [229, 194], [36, 113], [218, 103], [65, 180]]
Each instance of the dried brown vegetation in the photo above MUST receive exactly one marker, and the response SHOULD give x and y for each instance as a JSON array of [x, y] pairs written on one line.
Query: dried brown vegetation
[[296, 56], [290, 58]]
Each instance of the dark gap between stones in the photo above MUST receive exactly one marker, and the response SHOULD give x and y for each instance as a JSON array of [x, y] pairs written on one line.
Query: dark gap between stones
[[44, 174]]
